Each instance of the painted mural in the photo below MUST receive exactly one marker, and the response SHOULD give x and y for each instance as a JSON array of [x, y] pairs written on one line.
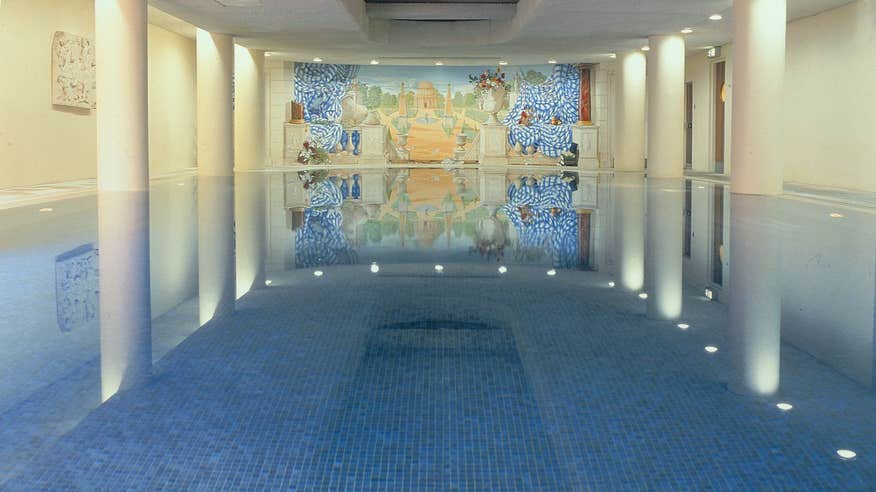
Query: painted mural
[[432, 105]]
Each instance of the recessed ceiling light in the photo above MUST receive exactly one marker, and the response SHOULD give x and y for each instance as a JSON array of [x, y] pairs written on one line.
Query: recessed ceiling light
[[686, 30], [551, 272], [269, 54], [837, 215], [375, 267], [846, 454], [317, 59], [439, 63], [612, 55], [646, 48], [711, 349], [375, 62], [503, 63], [552, 61], [439, 268], [784, 406], [503, 269], [683, 326], [317, 273], [46, 209], [643, 295], [716, 17]]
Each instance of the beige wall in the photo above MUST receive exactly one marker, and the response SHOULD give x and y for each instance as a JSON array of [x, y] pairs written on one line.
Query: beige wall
[[172, 95], [830, 99], [41, 143]]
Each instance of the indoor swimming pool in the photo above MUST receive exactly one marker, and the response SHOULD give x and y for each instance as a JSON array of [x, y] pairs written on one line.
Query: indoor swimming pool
[[448, 328]]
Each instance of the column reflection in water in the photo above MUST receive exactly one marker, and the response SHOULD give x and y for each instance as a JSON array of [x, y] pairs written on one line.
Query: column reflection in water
[[125, 314], [663, 248], [629, 227], [755, 295], [216, 275], [250, 231]]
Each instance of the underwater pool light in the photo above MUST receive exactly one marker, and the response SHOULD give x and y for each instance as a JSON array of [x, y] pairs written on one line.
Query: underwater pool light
[[439, 268], [784, 406], [643, 295], [375, 267], [317, 273], [683, 326], [611, 284], [711, 349], [269, 282], [709, 294], [846, 454], [551, 272], [503, 269]]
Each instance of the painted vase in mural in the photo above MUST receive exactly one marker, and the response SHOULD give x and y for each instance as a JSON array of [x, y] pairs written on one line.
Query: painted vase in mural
[[345, 188], [493, 101], [402, 140], [344, 143], [356, 137]]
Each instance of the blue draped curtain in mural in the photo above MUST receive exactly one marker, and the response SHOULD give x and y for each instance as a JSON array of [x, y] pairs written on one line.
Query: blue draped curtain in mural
[[550, 224], [319, 87], [557, 96]]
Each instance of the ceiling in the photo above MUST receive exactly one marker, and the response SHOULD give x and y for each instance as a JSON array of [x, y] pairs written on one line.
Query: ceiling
[[462, 32]]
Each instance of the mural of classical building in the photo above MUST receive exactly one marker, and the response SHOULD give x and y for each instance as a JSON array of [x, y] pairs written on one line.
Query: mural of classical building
[[426, 97]]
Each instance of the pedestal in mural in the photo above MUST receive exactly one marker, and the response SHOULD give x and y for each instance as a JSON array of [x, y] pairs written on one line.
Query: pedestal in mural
[[587, 138], [295, 134], [373, 145], [494, 141], [373, 187]]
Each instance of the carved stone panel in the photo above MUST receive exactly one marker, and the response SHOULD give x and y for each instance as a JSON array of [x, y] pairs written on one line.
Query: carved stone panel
[[73, 71]]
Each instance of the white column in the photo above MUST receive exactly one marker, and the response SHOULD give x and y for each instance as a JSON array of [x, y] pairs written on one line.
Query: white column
[[663, 248], [755, 296], [123, 194], [629, 125], [216, 275], [249, 112], [758, 77], [666, 107], [629, 206]]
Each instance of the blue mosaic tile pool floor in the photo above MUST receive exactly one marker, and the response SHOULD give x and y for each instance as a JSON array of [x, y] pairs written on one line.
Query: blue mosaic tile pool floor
[[361, 382]]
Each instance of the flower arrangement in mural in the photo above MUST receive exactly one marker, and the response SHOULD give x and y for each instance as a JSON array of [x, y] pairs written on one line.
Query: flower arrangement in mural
[[489, 80]]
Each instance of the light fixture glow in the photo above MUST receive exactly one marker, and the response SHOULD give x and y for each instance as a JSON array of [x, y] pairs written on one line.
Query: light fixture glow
[[439, 63], [503, 269], [643, 295], [846, 454], [552, 61], [317, 273], [611, 284], [711, 349], [375, 62], [503, 63], [551, 272], [269, 282], [686, 30], [716, 17], [317, 59], [709, 294], [439, 268], [784, 406], [375, 267], [683, 326], [46, 209], [835, 215], [646, 48]]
